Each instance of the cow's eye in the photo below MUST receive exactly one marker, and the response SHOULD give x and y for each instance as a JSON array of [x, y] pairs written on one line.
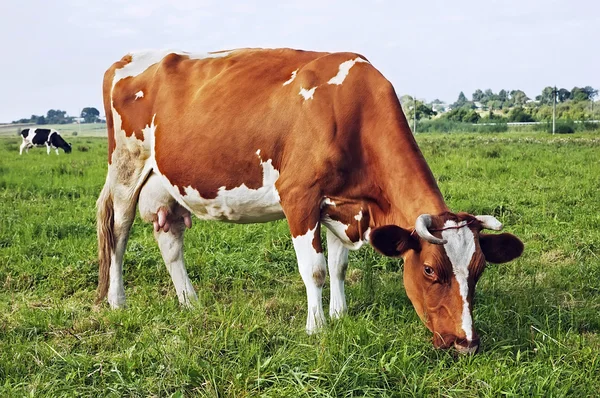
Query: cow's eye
[[428, 271]]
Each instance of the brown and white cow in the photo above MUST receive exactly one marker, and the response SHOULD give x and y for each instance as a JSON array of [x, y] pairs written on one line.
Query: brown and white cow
[[255, 135]]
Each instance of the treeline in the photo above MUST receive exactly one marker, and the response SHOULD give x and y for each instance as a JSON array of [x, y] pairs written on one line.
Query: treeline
[[56, 116], [487, 107]]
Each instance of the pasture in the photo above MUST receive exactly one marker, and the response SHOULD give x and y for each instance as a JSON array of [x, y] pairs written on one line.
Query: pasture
[[538, 316]]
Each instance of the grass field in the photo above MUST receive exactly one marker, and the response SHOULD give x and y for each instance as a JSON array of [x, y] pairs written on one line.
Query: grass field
[[67, 130], [538, 317]]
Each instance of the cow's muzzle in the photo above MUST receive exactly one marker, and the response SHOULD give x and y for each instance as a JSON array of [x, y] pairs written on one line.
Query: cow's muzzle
[[467, 346]]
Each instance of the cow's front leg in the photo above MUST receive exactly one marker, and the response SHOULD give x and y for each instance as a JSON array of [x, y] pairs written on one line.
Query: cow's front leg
[[48, 149], [56, 149], [312, 267]]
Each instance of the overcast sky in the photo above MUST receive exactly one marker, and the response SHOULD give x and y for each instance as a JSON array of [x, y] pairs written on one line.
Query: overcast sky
[[54, 53]]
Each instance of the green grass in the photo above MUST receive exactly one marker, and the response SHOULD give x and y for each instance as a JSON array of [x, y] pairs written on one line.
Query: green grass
[[538, 317]]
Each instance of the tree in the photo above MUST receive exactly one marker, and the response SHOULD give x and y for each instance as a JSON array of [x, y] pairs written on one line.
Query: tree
[[546, 97], [40, 120], [579, 94], [591, 92], [422, 110], [477, 95], [502, 95], [461, 101], [56, 116], [90, 114], [563, 95], [489, 95], [519, 98]]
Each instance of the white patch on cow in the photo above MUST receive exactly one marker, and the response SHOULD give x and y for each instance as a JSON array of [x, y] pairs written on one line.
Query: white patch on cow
[[218, 54], [339, 229], [460, 249], [291, 78], [311, 263], [142, 60], [344, 70], [367, 235], [307, 94], [337, 260], [359, 216], [239, 205], [139, 94], [327, 202], [116, 289]]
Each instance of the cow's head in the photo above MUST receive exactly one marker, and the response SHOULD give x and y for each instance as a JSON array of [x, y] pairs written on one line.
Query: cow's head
[[67, 147], [444, 256]]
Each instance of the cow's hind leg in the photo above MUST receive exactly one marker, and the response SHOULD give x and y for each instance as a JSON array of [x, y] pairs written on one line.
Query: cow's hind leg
[[23, 146], [337, 259], [116, 212], [169, 219]]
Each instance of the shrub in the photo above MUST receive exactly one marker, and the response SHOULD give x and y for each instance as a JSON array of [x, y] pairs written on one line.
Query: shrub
[[565, 128], [519, 115]]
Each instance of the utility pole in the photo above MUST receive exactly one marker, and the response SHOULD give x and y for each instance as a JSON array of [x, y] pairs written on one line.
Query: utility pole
[[554, 110], [415, 115]]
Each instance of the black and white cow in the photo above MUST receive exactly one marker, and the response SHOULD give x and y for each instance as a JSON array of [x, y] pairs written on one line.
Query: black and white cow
[[40, 137]]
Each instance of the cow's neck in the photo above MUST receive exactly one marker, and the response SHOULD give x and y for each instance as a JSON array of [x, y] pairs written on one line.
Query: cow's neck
[[407, 184]]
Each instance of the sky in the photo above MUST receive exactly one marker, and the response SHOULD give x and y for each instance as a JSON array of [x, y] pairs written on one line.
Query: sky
[[53, 54]]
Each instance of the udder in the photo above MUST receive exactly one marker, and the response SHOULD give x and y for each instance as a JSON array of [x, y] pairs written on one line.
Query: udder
[[157, 205]]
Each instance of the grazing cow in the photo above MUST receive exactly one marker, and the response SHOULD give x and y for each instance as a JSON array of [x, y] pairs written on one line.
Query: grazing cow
[[255, 135], [40, 137]]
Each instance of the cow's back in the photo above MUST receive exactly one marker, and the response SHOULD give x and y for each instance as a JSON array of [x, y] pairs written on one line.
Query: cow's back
[[215, 122]]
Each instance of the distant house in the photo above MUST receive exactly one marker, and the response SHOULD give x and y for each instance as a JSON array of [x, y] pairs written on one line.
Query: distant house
[[440, 107]]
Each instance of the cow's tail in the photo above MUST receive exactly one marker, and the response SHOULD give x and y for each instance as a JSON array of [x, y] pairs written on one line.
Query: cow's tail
[[105, 217]]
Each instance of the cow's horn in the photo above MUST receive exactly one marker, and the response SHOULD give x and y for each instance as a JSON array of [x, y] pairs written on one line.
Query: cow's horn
[[489, 222], [421, 226]]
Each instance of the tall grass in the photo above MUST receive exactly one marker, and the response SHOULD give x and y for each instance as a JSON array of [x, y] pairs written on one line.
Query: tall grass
[[538, 316]]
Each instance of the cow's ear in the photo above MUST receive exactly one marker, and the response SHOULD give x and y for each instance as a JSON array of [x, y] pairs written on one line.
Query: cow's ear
[[500, 248], [393, 241]]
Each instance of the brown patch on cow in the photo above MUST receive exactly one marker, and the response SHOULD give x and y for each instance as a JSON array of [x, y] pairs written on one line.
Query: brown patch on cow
[[346, 211], [319, 277], [107, 97], [135, 114], [316, 243]]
